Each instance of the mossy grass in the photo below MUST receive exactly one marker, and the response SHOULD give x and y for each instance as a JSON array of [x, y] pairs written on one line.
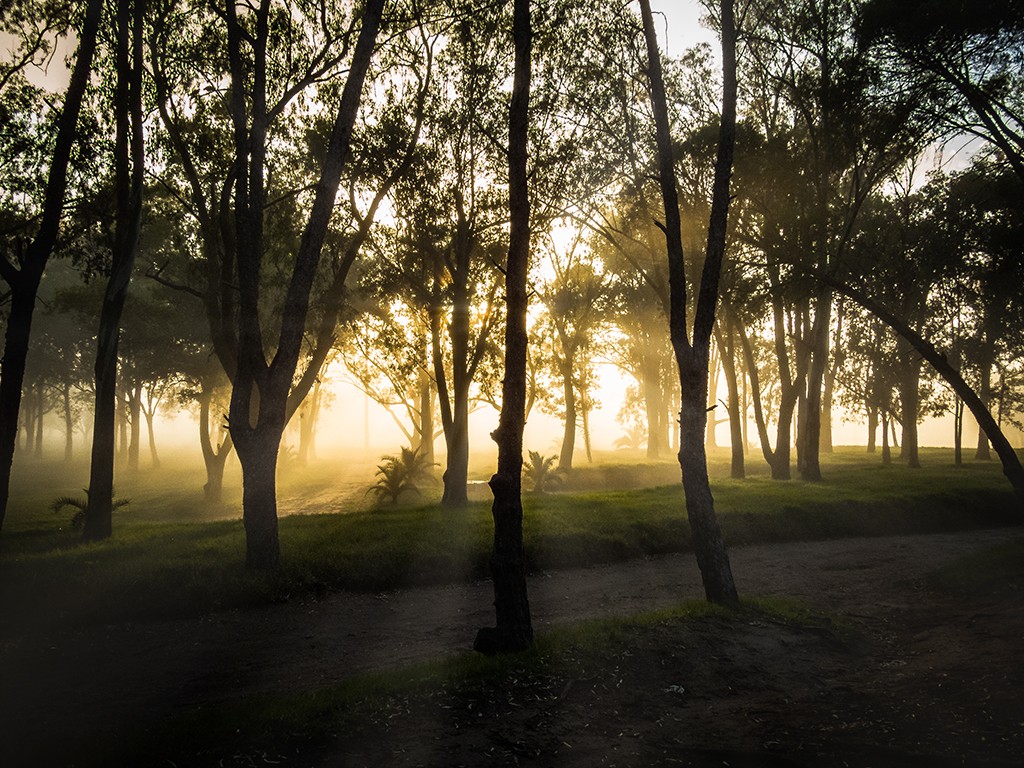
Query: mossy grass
[[171, 556]]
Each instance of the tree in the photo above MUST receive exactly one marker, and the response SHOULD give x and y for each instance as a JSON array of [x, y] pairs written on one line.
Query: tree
[[692, 353], [129, 169], [24, 258], [513, 630]]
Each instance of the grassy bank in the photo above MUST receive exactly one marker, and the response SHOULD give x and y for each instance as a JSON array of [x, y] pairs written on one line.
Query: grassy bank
[[182, 562]]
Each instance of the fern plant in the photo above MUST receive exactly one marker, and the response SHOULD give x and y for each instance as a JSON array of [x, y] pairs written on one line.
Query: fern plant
[[80, 505], [400, 474], [539, 471]]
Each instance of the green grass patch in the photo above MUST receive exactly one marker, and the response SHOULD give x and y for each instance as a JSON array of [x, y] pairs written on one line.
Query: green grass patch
[[180, 560]]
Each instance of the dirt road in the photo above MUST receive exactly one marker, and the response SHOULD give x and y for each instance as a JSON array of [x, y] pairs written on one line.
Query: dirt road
[[60, 689]]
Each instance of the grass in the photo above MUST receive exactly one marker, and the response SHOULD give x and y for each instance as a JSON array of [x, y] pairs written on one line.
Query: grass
[[172, 556]]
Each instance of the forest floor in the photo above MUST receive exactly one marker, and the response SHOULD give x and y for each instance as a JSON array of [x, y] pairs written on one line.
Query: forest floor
[[907, 675]]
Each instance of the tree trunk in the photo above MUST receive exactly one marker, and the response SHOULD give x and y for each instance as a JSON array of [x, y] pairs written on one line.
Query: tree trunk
[[692, 358], [257, 452], [129, 160], [958, 433], [727, 345], [40, 412], [910, 398], [425, 428], [69, 423], [153, 456], [513, 630], [985, 393], [569, 427], [654, 406], [872, 428], [886, 453], [711, 436], [810, 426], [134, 424], [213, 458], [585, 424]]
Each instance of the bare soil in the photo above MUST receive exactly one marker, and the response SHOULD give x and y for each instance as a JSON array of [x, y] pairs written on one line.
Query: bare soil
[[919, 678]]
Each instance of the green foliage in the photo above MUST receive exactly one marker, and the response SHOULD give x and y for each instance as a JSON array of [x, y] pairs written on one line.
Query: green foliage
[[400, 474], [80, 505], [539, 471]]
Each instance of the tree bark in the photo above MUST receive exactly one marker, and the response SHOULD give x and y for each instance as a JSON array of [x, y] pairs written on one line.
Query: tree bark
[[24, 282], [129, 161], [69, 423], [214, 458], [692, 358], [513, 630], [810, 425]]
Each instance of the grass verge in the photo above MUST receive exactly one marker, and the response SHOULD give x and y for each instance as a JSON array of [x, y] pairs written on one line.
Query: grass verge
[[168, 569]]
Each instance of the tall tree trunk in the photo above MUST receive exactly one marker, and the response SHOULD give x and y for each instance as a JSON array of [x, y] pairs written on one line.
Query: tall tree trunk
[[585, 425], [985, 393], [134, 426], [129, 162], [727, 345], [872, 427], [154, 458], [514, 629], [654, 405], [958, 433], [910, 398], [425, 428], [692, 358], [711, 435], [24, 282], [810, 425], [886, 452], [569, 426]]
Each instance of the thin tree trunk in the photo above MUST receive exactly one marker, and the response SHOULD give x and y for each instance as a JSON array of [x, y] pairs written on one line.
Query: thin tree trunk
[[872, 428], [958, 433], [40, 412], [737, 469], [886, 452], [214, 458], [129, 167], [513, 630], [134, 424], [985, 393]]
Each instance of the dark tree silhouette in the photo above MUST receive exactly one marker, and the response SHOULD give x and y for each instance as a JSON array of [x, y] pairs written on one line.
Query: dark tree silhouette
[[514, 630], [692, 356]]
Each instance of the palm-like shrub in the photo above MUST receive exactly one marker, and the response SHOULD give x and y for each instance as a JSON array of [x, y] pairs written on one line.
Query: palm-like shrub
[[540, 473], [398, 474], [635, 437], [80, 505]]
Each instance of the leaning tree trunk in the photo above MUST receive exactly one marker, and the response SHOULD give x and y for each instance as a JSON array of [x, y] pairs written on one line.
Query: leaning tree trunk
[[24, 282], [692, 358], [513, 630], [129, 166], [1012, 468]]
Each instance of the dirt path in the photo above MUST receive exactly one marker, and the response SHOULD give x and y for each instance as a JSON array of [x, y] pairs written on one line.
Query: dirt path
[[58, 688]]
